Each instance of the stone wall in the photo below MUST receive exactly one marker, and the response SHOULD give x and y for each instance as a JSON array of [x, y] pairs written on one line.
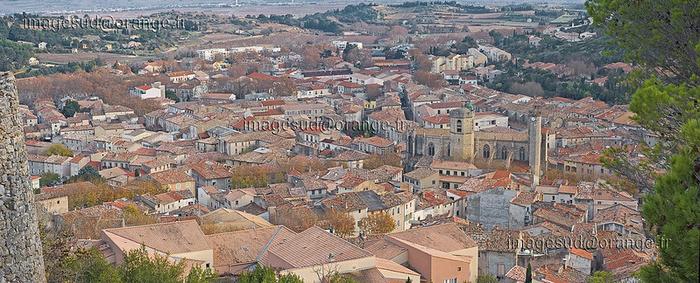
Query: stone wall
[[490, 208], [20, 246]]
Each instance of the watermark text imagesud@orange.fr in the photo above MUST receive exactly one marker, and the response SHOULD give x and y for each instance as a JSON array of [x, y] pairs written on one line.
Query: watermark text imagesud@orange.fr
[[541, 244], [102, 23]]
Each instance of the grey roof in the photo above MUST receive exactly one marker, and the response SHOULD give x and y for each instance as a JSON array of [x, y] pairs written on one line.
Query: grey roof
[[372, 200]]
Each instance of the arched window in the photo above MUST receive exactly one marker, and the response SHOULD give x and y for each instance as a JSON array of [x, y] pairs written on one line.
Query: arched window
[[487, 151], [431, 149], [504, 152], [521, 153], [449, 150], [459, 126]]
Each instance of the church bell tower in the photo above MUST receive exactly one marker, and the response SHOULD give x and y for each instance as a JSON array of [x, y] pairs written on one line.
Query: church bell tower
[[462, 133], [535, 148]]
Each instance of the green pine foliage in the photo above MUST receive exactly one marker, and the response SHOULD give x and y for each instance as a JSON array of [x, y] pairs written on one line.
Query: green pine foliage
[[263, 274], [601, 277], [528, 273], [88, 266], [664, 39]]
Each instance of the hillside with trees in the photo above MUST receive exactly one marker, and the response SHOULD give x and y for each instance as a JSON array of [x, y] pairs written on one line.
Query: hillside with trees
[[330, 21]]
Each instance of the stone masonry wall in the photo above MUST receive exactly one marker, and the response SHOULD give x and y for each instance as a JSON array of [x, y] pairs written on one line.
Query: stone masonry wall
[[20, 245]]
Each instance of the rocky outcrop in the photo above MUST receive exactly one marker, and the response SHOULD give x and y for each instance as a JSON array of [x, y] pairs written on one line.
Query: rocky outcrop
[[20, 245]]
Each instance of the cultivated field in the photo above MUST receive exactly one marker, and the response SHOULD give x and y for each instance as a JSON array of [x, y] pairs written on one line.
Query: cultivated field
[[63, 58]]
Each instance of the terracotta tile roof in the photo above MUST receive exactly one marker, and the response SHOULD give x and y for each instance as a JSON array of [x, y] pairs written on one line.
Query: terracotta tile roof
[[393, 266], [371, 275], [204, 156], [459, 193], [420, 173], [173, 176], [272, 102], [444, 237], [350, 182], [609, 194], [431, 251], [496, 239], [211, 170], [564, 215], [564, 189], [553, 229], [525, 198], [87, 223], [70, 189], [437, 119], [233, 219], [243, 247], [389, 115], [375, 141], [170, 197], [191, 210], [581, 253], [253, 209], [144, 151], [621, 214], [497, 179], [180, 73], [452, 165], [317, 246], [172, 238], [553, 273], [350, 155], [384, 249], [623, 263], [430, 198], [517, 273]]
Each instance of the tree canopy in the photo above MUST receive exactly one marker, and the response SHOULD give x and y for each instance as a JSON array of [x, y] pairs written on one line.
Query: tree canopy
[[601, 277], [660, 35], [87, 174], [341, 223], [486, 278], [263, 274], [378, 223], [663, 37], [58, 149], [49, 179], [70, 108]]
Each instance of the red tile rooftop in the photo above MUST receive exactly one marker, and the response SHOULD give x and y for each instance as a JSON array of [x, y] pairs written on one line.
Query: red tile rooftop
[[581, 253]]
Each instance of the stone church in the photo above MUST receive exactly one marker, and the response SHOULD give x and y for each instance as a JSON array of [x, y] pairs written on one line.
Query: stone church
[[460, 142]]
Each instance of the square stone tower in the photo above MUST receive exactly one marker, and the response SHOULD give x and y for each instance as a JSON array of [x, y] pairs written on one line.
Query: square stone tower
[[536, 152], [462, 134]]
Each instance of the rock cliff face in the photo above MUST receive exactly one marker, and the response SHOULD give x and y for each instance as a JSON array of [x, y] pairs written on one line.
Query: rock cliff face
[[20, 245]]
